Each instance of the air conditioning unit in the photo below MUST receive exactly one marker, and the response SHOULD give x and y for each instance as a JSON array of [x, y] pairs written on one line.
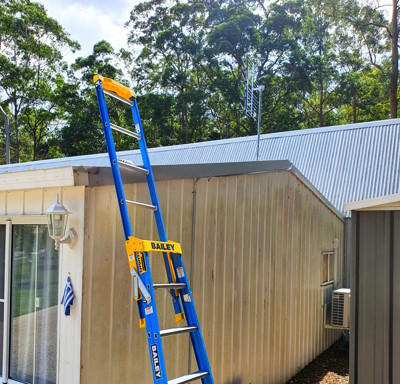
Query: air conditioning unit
[[340, 311]]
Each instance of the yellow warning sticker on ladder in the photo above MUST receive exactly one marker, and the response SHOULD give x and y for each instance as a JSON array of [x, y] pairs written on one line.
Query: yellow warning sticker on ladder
[[141, 262]]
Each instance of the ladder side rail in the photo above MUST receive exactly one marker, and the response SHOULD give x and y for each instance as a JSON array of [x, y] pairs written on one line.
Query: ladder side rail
[[150, 178], [113, 161], [149, 310], [154, 200], [192, 319]]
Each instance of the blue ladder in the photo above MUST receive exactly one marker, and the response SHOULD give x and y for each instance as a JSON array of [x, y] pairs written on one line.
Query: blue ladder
[[138, 249]]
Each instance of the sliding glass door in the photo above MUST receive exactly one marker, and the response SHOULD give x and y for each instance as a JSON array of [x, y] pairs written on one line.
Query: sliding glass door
[[34, 299]]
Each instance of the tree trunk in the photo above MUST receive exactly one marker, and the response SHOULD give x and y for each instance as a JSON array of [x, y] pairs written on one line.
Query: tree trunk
[[35, 150], [321, 105], [16, 153], [321, 86], [394, 62], [253, 129], [354, 106], [184, 127], [7, 130]]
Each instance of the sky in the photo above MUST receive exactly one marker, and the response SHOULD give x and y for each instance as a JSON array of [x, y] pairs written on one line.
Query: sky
[[89, 21]]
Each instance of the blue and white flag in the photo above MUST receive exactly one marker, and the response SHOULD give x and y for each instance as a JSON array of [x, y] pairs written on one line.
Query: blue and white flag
[[68, 297]]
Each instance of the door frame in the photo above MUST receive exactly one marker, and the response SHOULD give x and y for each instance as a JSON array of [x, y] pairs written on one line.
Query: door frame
[[7, 305], [9, 221]]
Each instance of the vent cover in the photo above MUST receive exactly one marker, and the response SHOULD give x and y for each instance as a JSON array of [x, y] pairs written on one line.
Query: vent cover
[[340, 315]]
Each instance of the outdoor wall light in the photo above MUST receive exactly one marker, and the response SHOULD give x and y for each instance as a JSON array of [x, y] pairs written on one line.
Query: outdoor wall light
[[57, 218]]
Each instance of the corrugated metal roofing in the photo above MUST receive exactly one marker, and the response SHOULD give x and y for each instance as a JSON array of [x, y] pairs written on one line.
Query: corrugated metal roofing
[[345, 163]]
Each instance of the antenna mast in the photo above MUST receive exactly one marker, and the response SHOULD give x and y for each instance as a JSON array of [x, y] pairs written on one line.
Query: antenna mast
[[252, 105]]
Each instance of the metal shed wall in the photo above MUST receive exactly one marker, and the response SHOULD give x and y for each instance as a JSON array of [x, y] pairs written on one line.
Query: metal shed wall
[[256, 278], [375, 298]]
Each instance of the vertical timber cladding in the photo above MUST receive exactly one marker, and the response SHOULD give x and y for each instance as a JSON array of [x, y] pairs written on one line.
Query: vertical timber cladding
[[256, 278], [375, 298]]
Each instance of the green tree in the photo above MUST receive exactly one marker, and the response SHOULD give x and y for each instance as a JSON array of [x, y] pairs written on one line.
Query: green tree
[[30, 63], [364, 94], [284, 66], [233, 37], [320, 103], [270, 37], [82, 131], [379, 36], [171, 61]]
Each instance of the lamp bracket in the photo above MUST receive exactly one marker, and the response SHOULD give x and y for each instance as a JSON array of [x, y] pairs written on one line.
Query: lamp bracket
[[70, 238]]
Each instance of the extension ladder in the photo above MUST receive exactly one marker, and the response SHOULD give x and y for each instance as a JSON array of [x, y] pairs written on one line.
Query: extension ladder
[[137, 249]]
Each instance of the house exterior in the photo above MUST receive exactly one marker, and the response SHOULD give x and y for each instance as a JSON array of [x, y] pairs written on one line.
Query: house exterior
[[375, 292], [344, 163], [253, 234], [265, 243]]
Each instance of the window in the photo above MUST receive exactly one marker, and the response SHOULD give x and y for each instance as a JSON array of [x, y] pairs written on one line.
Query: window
[[328, 267]]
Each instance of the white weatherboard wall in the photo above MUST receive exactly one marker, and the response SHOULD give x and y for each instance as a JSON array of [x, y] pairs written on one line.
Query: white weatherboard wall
[[25, 206], [257, 272]]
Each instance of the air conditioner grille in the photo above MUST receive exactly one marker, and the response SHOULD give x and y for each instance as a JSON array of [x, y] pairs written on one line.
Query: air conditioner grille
[[337, 310]]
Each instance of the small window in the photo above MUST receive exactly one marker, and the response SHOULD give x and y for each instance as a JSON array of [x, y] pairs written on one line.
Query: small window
[[328, 267]]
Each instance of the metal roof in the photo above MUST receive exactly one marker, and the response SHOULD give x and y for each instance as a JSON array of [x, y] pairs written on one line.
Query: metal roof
[[345, 163], [382, 203]]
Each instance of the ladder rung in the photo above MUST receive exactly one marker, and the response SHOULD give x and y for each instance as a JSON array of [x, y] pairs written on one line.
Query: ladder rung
[[188, 378], [176, 331], [124, 131], [115, 96], [149, 206], [170, 286], [124, 163]]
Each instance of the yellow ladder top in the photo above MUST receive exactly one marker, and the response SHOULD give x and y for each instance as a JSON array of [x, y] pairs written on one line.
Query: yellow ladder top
[[115, 87]]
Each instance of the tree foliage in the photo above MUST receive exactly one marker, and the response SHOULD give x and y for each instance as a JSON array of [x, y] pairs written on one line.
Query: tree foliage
[[322, 62], [82, 131], [30, 70]]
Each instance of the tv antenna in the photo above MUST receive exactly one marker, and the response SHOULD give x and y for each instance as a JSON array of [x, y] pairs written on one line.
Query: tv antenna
[[252, 101]]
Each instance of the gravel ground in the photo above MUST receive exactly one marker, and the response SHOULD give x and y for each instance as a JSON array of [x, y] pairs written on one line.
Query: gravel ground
[[332, 367]]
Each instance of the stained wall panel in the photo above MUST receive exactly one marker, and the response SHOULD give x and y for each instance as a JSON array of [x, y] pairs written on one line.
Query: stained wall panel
[[257, 272]]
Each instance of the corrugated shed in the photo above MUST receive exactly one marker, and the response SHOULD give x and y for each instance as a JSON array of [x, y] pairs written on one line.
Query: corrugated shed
[[256, 273], [375, 294], [345, 163]]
